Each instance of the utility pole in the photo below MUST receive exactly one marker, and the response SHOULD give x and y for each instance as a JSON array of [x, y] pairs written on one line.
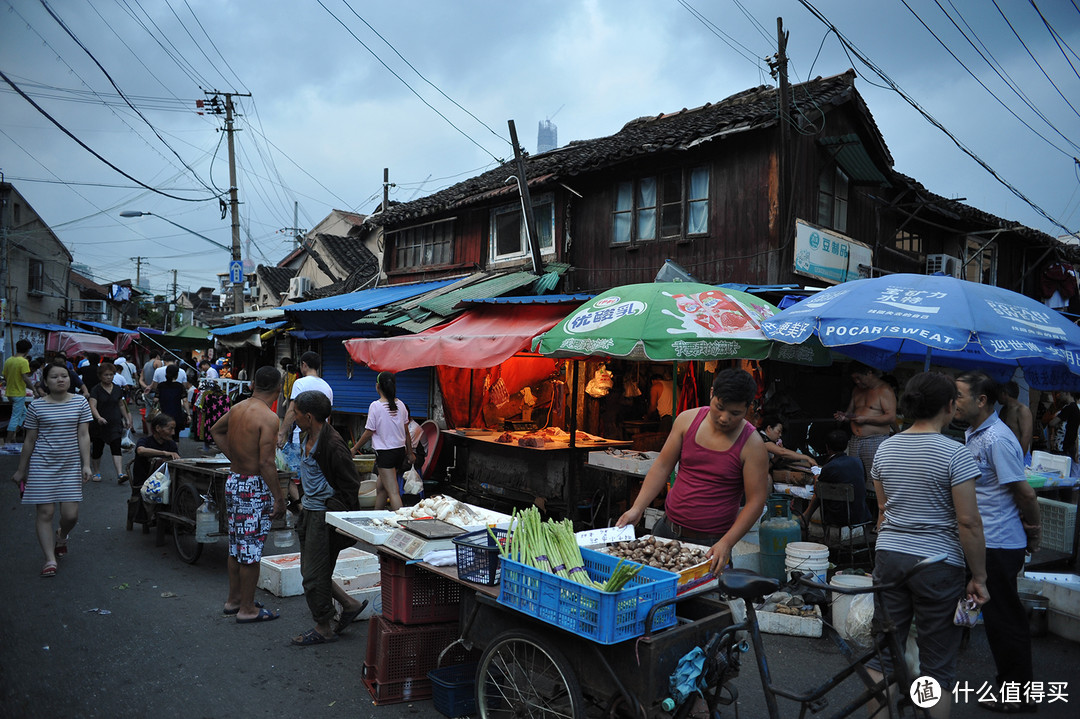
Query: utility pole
[[526, 203], [784, 183], [386, 185], [138, 269], [234, 201], [170, 304]]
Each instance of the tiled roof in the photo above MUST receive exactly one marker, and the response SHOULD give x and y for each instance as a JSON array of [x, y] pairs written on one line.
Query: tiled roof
[[89, 285], [677, 131], [274, 279], [349, 253]]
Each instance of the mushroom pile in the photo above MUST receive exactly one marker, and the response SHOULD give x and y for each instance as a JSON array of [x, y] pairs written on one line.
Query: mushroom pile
[[672, 555]]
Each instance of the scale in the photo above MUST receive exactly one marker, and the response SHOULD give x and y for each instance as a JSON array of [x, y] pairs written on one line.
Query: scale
[[417, 537]]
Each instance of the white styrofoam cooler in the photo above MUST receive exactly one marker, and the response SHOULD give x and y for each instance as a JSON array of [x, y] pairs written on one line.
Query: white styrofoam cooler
[[280, 574], [1063, 591]]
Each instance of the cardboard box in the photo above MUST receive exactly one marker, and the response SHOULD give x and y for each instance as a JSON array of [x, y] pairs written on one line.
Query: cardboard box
[[280, 575]]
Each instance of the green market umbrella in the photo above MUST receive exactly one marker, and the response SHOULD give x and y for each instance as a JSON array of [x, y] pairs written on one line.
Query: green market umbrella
[[672, 321], [186, 337]]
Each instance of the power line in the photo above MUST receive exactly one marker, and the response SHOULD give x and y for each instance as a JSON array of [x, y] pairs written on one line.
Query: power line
[[214, 45], [1058, 40], [185, 67], [93, 152], [742, 50], [926, 115], [410, 87]]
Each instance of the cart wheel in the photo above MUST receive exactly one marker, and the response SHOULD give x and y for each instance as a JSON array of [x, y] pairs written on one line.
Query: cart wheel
[[185, 503], [522, 675]]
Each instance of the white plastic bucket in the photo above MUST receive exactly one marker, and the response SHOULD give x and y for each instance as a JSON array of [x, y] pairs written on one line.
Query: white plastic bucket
[[807, 557], [841, 603]]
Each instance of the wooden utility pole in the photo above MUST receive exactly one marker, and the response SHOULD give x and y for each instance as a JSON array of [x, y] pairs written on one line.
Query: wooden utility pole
[[217, 108], [526, 203], [784, 180]]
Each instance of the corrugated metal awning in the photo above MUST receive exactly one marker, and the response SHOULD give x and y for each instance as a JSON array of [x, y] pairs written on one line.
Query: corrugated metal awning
[[365, 300], [530, 300], [852, 156]]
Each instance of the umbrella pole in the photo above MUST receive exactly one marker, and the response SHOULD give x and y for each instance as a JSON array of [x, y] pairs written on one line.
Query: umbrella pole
[[571, 468], [674, 389], [926, 364]]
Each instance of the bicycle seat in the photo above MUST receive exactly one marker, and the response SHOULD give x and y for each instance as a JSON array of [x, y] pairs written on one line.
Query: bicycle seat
[[744, 584]]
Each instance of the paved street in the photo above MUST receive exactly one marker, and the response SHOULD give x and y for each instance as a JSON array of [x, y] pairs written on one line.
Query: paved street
[[158, 655]]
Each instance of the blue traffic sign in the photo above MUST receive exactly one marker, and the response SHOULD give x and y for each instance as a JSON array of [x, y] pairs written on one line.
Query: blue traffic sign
[[236, 272]]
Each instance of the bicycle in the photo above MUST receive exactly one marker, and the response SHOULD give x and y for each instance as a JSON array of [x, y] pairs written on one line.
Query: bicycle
[[723, 652]]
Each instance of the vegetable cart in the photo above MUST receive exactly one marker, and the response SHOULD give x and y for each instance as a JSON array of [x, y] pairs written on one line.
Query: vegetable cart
[[191, 480]]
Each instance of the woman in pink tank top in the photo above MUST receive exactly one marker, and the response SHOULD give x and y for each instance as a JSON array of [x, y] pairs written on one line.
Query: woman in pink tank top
[[721, 460]]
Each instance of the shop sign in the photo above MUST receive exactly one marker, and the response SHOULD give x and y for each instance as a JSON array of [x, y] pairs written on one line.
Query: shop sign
[[830, 256], [596, 317]]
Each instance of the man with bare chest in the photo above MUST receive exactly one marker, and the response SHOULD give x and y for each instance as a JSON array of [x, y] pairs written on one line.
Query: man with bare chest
[[253, 497], [1015, 415], [871, 413]]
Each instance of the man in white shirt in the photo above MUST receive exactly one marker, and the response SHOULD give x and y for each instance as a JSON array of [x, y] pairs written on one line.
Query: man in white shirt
[[159, 374], [309, 379], [208, 370]]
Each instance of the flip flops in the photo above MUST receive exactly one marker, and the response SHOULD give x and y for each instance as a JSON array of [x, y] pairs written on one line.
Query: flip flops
[[60, 548], [233, 612], [264, 615], [96, 478], [49, 570], [348, 618], [312, 637]]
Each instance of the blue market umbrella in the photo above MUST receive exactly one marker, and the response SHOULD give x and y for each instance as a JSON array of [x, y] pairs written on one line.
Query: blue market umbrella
[[938, 320]]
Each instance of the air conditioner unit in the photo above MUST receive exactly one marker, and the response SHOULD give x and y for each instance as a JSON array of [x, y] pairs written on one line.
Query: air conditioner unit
[[946, 264], [298, 286]]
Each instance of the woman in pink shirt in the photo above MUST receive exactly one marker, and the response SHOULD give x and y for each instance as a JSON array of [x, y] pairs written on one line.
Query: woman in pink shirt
[[386, 425], [721, 459]]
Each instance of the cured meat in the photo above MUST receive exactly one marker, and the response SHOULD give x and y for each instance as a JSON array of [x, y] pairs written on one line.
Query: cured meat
[[532, 441], [505, 438]]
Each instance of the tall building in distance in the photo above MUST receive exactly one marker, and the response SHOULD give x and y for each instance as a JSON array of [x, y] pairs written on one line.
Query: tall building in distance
[[547, 137]]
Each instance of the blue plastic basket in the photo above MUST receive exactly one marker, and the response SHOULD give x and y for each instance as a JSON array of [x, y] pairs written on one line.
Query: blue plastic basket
[[603, 617], [453, 690]]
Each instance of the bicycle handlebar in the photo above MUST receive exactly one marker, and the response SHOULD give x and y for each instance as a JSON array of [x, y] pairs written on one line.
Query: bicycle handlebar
[[804, 581]]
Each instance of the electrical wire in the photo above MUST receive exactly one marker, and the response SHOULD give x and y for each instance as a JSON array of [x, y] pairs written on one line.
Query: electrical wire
[[1058, 40], [742, 50], [407, 85], [928, 117], [174, 54], [214, 45], [120, 92]]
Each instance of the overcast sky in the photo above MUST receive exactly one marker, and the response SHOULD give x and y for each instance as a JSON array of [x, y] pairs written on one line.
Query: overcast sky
[[326, 117]]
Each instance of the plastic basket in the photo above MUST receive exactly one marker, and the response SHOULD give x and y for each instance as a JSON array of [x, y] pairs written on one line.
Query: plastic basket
[[478, 556], [453, 690], [1058, 524], [603, 617], [411, 595], [407, 690], [399, 651]]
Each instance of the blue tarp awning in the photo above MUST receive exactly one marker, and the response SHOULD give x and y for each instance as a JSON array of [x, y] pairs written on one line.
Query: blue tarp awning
[[323, 318], [149, 331], [245, 327], [45, 327], [106, 328]]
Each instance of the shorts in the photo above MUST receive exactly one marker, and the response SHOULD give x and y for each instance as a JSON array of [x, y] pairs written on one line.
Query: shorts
[[865, 448], [390, 458], [97, 447], [248, 504], [18, 414]]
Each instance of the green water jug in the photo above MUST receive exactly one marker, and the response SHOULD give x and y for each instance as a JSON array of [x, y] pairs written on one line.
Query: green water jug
[[777, 529]]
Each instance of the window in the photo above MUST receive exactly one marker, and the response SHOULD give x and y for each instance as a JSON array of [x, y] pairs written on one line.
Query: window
[[909, 242], [508, 234], [980, 261], [833, 199], [680, 202], [424, 245], [36, 280], [17, 212]]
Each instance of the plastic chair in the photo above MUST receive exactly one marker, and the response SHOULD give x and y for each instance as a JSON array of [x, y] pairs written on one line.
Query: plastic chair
[[844, 493]]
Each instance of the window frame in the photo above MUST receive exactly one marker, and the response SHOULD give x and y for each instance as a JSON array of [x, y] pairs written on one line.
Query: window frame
[[838, 205], [980, 257], [35, 281], [538, 202], [662, 207], [430, 235]]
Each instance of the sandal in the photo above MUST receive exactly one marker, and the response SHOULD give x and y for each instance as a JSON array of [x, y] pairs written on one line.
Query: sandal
[[312, 637], [97, 477], [49, 570], [60, 546], [348, 617], [122, 479]]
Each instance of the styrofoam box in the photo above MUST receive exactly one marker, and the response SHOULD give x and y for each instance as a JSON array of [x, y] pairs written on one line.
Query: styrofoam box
[[373, 595], [1055, 463], [280, 575], [632, 463], [773, 623], [356, 582], [356, 561], [1063, 591]]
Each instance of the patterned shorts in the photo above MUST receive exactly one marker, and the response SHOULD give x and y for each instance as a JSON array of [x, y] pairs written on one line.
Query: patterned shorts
[[248, 504]]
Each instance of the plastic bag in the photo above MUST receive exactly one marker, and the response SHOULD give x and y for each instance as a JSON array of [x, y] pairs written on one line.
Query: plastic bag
[[127, 442], [155, 490], [413, 483]]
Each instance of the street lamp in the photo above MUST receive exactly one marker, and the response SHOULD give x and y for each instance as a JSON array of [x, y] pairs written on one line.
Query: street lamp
[[238, 289]]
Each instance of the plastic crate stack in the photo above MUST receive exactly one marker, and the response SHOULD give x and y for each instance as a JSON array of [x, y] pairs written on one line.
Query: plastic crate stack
[[419, 620], [1058, 524]]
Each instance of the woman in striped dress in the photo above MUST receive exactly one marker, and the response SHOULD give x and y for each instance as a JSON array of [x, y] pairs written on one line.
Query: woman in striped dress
[[55, 461]]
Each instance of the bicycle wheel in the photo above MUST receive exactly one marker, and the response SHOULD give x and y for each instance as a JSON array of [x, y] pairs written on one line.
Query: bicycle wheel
[[522, 675], [185, 502]]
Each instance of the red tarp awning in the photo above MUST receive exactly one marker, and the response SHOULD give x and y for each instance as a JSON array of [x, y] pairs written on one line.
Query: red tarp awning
[[482, 337], [79, 343]]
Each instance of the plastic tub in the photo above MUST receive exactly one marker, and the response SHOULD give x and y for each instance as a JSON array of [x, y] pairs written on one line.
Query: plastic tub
[[807, 557], [367, 494], [841, 603]]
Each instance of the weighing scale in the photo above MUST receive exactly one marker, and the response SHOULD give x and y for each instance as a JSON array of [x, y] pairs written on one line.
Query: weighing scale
[[418, 537]]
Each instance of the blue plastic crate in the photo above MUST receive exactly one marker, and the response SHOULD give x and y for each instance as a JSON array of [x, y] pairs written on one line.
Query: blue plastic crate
[[603, 617], [453, 690]]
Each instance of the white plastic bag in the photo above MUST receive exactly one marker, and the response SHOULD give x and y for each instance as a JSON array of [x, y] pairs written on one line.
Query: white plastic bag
[[413, 483], [155, 490], [127, 442]]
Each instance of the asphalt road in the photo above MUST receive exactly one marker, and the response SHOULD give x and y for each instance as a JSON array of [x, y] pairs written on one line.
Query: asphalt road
[[165, 649]]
